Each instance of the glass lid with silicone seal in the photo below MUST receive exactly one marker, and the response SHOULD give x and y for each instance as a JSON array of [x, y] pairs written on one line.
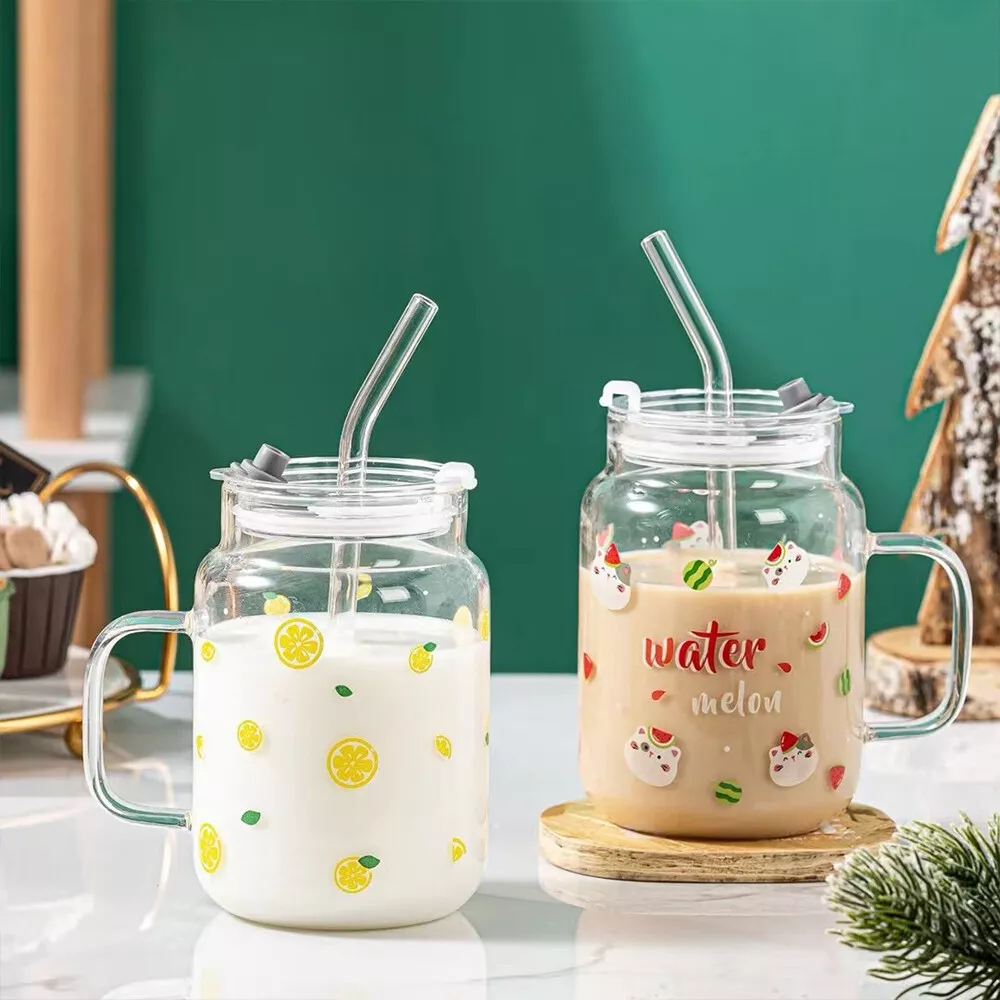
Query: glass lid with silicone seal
[[721, 600], [341, 679]]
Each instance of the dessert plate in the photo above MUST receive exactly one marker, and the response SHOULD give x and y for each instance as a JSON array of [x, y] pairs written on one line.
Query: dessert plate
[[39, 702]]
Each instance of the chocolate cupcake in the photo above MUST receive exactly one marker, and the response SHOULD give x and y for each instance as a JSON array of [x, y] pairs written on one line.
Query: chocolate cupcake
[[44, 551]]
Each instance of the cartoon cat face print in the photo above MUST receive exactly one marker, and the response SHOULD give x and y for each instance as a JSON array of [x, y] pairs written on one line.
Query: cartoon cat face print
[[793, 760], [652, 756], [786, 566], [694, 536], [609, 576]]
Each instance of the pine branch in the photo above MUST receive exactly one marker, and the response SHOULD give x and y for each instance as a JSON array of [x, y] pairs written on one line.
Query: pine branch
[[930, 901]]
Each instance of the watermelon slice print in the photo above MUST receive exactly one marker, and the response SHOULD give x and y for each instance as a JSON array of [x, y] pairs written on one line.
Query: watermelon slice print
[[819, 636]]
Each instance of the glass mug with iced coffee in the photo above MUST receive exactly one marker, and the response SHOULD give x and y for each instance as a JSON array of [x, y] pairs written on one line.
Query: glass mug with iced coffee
[[722, 600]]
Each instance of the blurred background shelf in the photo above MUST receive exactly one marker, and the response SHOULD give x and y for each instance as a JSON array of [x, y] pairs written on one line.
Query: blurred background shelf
[[114, 413]]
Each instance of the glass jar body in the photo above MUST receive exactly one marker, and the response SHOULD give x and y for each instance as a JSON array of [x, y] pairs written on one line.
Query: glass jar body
[[340, 773], [721, 688]]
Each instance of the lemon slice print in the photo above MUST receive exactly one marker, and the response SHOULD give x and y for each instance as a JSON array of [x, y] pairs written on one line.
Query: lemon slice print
[[484, 623], [209, 848], [298, 643], [276, 604], [421, 657], [457, 848], [354, 874], [352, 762], [364, 585], [443, 745], [249, 734], [463, 617], [199, 746], [207, 651]]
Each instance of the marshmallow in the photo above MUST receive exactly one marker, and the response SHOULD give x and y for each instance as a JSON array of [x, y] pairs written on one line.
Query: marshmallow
[[66, 540], [27, 509], [74, 546]]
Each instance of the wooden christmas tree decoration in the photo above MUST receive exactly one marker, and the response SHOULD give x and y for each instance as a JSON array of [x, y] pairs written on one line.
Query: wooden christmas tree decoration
[[957, 496]]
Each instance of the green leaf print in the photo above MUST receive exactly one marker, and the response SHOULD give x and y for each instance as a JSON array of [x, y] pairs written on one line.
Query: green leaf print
[[251, 817], [343, 690], [369, 861]]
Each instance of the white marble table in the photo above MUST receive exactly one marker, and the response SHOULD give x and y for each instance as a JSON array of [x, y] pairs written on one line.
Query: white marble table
[[90, 907]]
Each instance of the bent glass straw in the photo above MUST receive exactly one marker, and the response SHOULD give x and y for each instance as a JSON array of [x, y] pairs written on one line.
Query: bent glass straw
[[364, 411], [717, 374]]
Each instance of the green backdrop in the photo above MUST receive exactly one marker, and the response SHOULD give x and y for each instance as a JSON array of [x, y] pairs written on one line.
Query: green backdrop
[[288, 173]]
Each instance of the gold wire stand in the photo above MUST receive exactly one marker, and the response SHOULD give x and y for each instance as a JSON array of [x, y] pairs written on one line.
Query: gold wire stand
[[71, 718]]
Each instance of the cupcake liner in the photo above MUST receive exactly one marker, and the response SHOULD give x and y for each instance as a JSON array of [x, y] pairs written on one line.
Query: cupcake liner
[[42, 613]]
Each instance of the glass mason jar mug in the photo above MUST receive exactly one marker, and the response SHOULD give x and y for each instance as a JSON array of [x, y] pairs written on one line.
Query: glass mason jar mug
[[721, 629], [340, 759]]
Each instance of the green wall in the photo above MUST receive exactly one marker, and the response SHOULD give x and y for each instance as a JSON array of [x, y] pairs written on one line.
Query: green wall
[[288, 173]]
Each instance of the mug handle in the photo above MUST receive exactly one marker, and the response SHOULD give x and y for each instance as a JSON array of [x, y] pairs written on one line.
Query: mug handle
[[902, 543], [93, 717]]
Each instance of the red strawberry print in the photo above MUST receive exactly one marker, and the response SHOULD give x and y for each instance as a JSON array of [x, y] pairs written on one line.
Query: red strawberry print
[[785, 667], [588, 667], [836, 776], [611, 557], [788, 740]]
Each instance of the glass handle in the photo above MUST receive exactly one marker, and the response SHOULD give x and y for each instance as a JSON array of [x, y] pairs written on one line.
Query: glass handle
[[93, 717], [899, 543]]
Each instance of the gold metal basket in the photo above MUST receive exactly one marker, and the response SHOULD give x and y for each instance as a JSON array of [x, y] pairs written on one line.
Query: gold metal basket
[[71, 717]]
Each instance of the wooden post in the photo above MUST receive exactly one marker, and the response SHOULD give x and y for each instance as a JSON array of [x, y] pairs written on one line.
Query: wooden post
[[96, 118], [96, 74], [50, 223], [65, 230]]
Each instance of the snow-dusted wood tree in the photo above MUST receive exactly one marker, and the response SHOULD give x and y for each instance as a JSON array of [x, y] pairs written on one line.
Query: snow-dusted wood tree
[[957, 494]]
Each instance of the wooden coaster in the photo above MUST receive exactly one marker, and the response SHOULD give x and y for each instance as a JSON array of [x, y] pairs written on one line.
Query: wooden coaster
[[905, 677], [574, 837]]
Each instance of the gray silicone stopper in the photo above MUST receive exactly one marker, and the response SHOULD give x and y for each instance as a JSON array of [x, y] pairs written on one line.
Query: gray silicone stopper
[[797, 396], [268, 465]]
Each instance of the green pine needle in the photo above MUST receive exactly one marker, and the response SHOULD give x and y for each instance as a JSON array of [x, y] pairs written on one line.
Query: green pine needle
[[930, 901]]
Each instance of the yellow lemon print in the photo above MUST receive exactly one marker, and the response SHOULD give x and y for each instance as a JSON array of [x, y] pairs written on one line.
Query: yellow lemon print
[[364, 586], [457, 849], [443, 745], [354, 874], [199, 746], [209, 848], [207, 651], [484, 623], [421, 657], [276, 604], [463, 617], [298, 643], [352, 762], [249, 734]]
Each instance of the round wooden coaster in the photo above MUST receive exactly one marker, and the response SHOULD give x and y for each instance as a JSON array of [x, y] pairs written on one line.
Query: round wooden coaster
[[574, 837], [905, 677]]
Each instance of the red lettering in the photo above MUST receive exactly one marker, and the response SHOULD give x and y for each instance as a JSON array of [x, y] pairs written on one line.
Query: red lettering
[[689, 656], [658, 654], [712, 635], [731, 653], [718, 648], [754, 646]]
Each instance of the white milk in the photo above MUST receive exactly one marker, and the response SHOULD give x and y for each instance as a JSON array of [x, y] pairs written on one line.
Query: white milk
[[420, 809]]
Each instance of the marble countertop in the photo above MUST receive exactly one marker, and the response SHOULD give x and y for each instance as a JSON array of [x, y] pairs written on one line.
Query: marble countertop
[[90, 907]]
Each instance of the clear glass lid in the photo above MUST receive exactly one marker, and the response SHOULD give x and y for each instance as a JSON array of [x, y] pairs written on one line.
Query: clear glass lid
[[691, 427], [397, 496]]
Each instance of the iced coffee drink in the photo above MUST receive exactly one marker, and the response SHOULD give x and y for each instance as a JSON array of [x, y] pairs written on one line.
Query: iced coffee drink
[[721, 691]]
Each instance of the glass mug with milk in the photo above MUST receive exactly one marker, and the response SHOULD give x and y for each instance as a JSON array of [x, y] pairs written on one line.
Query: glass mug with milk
[[721, 628], [340, 761], [341, 683]]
